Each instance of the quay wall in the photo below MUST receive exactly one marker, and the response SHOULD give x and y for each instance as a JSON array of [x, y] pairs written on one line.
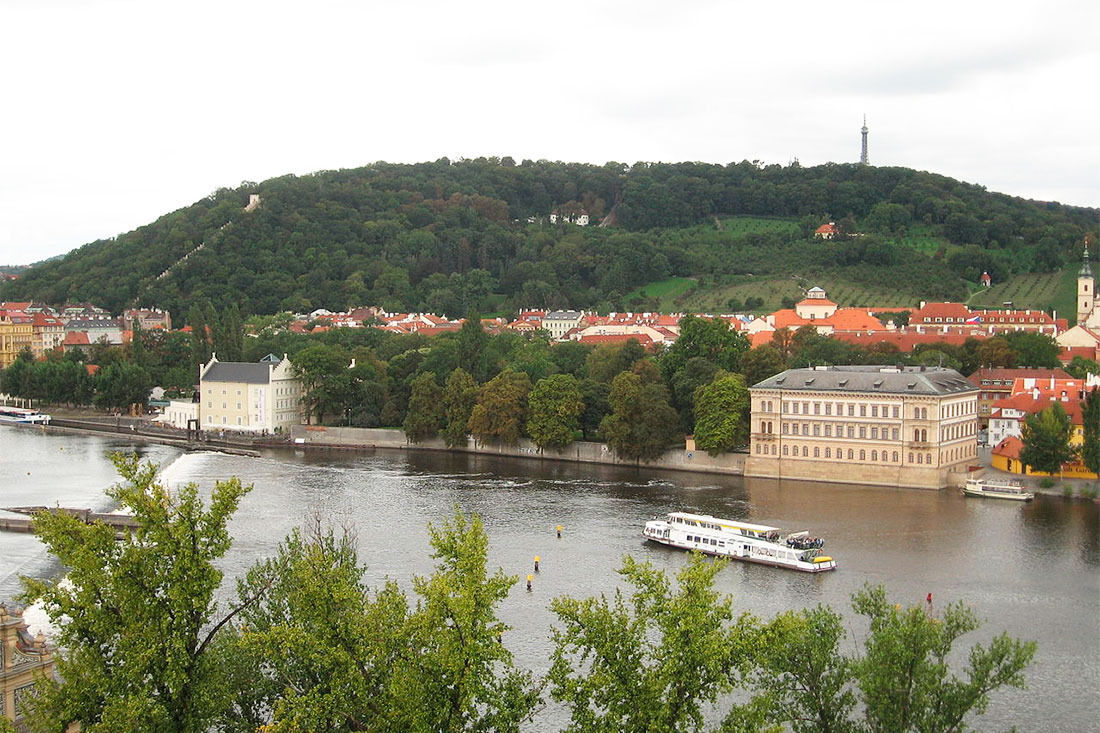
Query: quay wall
[[579, 452]]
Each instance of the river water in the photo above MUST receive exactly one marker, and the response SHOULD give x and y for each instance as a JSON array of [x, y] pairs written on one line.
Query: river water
[[1032, 570]]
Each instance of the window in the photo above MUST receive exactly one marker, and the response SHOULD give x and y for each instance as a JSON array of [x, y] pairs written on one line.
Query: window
[[817, 408], [895, 411], [895, 456], [238, 405], [828, 408], [828, 452], [210, 405], [862, 431], [817, 452], [874, 410], [874, 455], [224, 419], [805, 428], [828, 431], [223, 405], [238, 421], [851, 410], [863, 455], [851, 432], [209, 419], [894, 434], [805, 452], [863, 410], [784, 428], [874, 433], [817, 430], [784, 450], [910, 457], [805, 408], [850, 454]]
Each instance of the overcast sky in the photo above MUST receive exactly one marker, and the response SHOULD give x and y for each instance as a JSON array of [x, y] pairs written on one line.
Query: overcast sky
[[116, 112]]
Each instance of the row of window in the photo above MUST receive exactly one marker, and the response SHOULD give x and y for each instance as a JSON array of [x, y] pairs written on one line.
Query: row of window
[[916, 457], [953, 409], [210, 405]]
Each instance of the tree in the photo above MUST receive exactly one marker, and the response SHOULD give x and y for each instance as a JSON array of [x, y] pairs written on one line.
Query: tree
[[471, 346], [200, 336], [722, 414], [460, 676], [121, 385], [1090, 414], [1080, 367], [706, 338], [594, 395], [459, 398], [653, 664], [136, 618], [604, 363], [902, 680], [501, 409], [996, 352], [642, 424], [555, 406], [1046, 437], [1034, 349], [425, 408], [696, 372], [760, 363], [318, 366]]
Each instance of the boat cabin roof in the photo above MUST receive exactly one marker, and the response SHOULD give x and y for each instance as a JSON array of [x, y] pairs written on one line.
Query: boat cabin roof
[[724, 523]]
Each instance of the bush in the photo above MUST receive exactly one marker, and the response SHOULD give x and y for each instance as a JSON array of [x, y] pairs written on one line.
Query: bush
[[1067, 491], [1047, 482], [1089, 492]]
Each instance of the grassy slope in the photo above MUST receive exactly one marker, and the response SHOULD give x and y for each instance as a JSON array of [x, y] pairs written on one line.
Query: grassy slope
[[1046, 291]]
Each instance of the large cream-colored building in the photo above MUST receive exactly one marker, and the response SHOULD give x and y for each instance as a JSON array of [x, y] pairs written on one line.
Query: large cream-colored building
[[880, 425], [23, 659], [255, 398]]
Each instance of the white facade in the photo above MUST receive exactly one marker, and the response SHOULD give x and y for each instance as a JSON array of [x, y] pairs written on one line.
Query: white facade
[[254, 398]]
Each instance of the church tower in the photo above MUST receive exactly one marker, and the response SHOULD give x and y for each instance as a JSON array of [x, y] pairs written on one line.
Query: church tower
[[863, 159], [1086, 290]]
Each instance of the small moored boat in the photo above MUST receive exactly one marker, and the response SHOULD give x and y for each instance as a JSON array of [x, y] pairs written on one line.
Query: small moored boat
[[741, 541], [997, 489], [22, 415]]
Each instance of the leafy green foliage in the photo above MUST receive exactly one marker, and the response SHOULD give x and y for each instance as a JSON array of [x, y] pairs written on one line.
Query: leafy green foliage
[[1046, 437], [136, 616], [722, 414], [459, 398], [655, 663], [642, 424], [555, 406], [500, 413], [453, 236], [1090, 413], [425, 413]]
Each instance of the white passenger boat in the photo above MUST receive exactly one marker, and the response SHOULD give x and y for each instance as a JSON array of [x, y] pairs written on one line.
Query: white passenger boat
[[997, 489], [740, 541], [22, 415]]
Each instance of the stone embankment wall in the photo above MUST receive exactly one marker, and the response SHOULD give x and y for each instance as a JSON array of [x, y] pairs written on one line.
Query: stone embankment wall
[[579, 452]]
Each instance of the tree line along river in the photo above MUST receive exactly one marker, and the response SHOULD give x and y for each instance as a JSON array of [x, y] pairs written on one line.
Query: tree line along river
[[1032, 570]]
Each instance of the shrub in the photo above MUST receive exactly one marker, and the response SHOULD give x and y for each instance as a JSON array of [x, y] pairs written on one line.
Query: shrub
[[1047, 482]]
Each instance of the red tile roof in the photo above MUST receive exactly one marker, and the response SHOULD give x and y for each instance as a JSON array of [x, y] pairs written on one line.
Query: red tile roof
[[1009, 447]]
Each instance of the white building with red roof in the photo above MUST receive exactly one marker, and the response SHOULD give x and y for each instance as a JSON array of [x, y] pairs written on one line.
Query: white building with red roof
[[827, 231]]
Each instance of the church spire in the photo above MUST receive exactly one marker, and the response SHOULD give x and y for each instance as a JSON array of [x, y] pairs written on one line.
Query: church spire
[[1086, 271]]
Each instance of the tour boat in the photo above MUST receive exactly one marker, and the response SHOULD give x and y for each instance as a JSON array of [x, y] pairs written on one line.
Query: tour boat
[[997, 489], [740, 541], [22, 415]]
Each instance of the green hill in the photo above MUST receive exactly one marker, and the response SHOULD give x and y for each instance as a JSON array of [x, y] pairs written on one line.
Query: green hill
[[454, 236]]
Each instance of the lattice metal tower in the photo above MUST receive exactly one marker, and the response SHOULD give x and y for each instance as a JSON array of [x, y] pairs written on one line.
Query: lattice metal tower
[[863, 159]]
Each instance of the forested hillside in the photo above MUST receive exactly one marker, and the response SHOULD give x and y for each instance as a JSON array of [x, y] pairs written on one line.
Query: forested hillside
[[453, 236]]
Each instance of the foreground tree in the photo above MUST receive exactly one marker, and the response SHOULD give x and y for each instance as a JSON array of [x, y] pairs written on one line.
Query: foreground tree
[[655, 663], [722, 414], [137, 617], [1046, 437], [556, 405], [332, 654]]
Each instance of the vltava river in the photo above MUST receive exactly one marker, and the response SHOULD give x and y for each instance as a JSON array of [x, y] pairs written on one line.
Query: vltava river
[[1032, 570]]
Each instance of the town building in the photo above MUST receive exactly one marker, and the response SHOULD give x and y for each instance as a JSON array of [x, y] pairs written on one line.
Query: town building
[[146, 318], [23, 659], [881, 425], [49, 334], [16, 334], [827, 231], [264, 397], [559, 323], [997, 383]]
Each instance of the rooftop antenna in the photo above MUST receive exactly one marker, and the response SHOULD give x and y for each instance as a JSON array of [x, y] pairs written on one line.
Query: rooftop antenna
[[863, 159]]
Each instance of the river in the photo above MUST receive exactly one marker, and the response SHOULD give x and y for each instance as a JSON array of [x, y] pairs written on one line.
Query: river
[[1032, 570]]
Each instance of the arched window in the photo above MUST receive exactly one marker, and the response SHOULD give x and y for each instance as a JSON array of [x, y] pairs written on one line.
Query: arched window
[[805, 452], [828, 452], [850, 454], [773, 450], [895, 456], [817, 452], [910, 457], [784, 450], [863, 455], [874, 455]]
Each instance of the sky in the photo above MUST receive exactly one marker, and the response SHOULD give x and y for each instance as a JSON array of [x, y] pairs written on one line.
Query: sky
[[116, 112]]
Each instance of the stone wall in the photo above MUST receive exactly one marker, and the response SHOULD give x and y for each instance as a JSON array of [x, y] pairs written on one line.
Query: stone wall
[[578, 452]]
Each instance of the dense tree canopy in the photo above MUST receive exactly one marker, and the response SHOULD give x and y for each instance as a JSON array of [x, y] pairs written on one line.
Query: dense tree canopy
[[454, 236]]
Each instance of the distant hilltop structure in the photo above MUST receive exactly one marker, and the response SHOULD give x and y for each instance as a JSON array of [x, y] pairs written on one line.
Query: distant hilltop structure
[[863, 159]]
